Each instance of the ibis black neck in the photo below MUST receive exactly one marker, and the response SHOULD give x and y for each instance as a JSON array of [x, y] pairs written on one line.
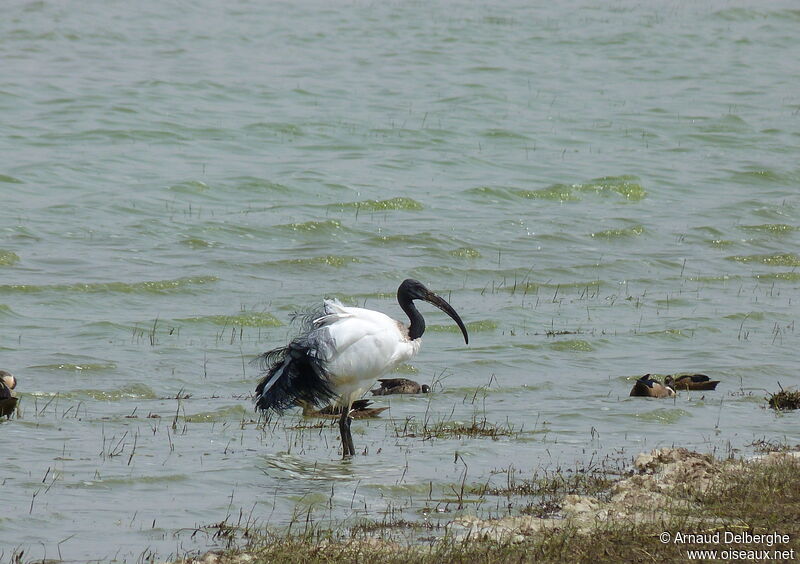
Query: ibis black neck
[[416, 326], [411, 290]]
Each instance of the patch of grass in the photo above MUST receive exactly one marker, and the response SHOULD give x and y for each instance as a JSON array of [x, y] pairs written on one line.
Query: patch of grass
[[367, 526], [545, 492], [785, 400], [557, 332], [747, 498], [555, 484], [764, 445], [303, 424], [456, 429], [764, 498]]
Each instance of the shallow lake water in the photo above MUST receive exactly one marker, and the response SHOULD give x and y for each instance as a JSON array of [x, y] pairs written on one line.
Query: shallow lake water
[[600, 191]]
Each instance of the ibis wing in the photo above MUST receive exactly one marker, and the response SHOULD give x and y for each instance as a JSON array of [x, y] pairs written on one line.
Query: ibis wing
[[333, 311], [358, 347], [341, 351]]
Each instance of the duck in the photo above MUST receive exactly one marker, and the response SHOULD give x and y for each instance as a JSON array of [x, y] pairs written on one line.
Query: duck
[[359, 410], [691, 382], [648, 387], [8, 402], [399, 386]]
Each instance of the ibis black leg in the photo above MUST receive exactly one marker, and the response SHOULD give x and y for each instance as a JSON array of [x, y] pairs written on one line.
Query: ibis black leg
[[348, 449], [350, 437]]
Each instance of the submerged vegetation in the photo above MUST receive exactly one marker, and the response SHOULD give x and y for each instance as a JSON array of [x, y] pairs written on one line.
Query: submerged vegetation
[[777, 259], [472, 326], [398, 203], [772, 228], [243, 319], [620, 233], [627, 186], [455, 429], [146, 287], [7, 258]]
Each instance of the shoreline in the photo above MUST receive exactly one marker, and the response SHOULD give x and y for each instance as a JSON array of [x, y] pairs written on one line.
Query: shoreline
[[672, 505]]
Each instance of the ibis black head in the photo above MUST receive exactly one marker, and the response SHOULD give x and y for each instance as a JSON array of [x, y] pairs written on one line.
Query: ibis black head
[[411, 290]]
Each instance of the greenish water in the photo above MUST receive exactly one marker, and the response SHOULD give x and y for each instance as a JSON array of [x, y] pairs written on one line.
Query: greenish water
[[601, 191]]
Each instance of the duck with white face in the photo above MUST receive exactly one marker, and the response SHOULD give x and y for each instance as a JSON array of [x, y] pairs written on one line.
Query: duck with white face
[[649, 387], [8, 402]]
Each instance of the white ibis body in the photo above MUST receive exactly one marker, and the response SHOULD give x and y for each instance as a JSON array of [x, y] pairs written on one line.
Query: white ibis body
[[341, 351]]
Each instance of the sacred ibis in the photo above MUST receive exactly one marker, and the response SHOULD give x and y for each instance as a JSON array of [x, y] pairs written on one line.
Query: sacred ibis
[[339, 353]]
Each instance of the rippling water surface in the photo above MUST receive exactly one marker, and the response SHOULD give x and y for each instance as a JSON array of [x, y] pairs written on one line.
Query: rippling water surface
[[600, 191]]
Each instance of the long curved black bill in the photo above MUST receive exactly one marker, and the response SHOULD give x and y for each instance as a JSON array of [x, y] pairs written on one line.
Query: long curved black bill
[[442, 304]]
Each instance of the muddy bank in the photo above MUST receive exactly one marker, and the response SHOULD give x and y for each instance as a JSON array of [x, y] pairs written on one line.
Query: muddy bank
[[664, 482], [670, 501]]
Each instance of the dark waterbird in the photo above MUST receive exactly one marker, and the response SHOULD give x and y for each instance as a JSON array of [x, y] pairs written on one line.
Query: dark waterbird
[[339, 353], [7, 401], [359, 410], [390, 386], [691, 382], [648, 387]]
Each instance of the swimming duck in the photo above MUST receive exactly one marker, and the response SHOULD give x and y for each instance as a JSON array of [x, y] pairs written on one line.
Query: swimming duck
[[399, 386], [691, 382], [359, 410], [7, 401], [647, 387]]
